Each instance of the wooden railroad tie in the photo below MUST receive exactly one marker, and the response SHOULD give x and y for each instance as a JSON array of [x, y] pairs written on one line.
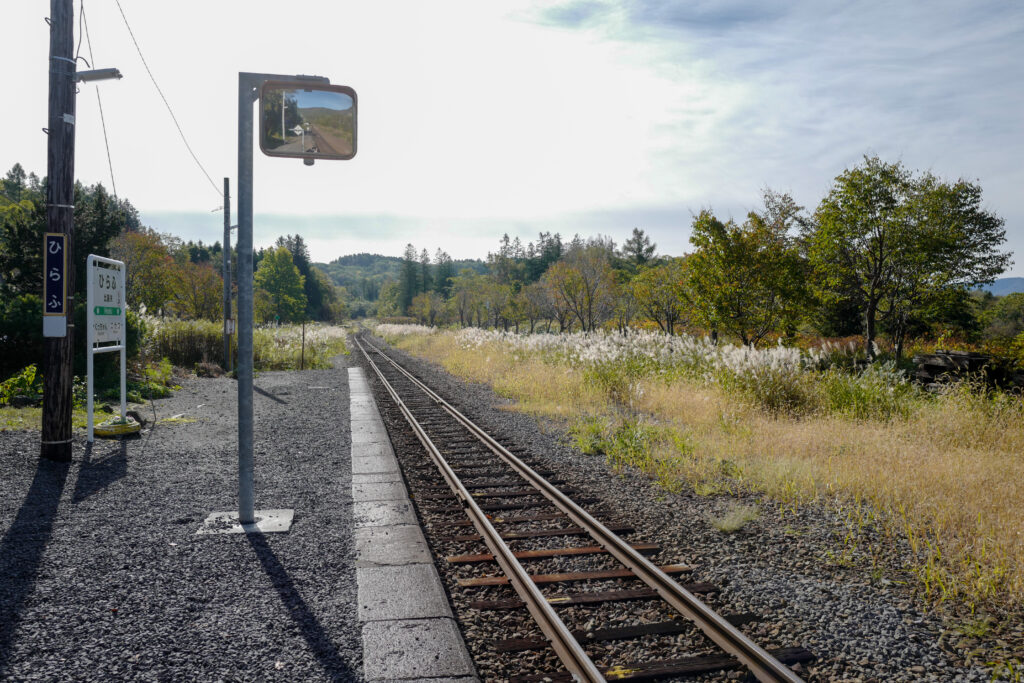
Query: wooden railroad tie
[[515, 493], [506, 520], [572, 576], [661, 628], [593, 598], [645, 548], [540, 533], [492, 507], [674, 667]]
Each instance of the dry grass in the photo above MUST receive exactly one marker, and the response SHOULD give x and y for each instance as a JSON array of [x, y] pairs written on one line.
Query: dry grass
[[948, 478]]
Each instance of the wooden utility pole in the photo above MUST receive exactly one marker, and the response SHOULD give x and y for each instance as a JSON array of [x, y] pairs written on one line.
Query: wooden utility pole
[[60, 217]]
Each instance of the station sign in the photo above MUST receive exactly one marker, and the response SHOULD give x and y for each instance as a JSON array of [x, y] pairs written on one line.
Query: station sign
[[106, 302], [55, 284]]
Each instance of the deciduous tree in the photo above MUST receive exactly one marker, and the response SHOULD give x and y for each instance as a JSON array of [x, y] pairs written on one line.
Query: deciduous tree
[[901, 240]]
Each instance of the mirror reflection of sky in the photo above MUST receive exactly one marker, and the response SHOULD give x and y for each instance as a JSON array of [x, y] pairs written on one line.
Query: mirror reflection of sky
[[320, 98]]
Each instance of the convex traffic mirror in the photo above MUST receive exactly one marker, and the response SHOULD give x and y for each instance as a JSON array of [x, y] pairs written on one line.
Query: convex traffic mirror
[[307, 121]]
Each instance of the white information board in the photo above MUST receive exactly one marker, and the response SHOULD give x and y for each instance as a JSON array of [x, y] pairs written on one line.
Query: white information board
[[104, 323], [106, 302]]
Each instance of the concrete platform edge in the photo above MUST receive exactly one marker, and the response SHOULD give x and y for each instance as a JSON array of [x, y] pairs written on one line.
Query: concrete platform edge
[[422, 642]]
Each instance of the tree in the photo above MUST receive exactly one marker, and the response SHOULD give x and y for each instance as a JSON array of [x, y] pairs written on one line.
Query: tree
[[425, 279], [900, 241], [198, 291], [583, 284], [1004, 319], [280, 293], [408, 284], [443, 284], [747, 279], [638, 249], [660, 293], [149, 268]]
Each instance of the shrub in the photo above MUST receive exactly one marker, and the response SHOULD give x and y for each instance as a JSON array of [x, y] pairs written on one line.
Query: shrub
[[26, 385], [879, 391]]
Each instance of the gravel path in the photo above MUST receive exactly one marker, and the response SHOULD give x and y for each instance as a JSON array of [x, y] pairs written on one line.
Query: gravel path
[[102, 577], [789, 567]]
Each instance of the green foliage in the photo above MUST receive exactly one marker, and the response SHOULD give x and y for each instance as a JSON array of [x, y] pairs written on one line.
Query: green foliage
[[893, 243], [661, 293], [280, 295], [26, 385], [21, 332], [879, 391], [1005, 317], [747, 279], [779, 389]]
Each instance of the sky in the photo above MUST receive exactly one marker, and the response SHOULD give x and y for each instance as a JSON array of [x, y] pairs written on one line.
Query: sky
[[483, 118]]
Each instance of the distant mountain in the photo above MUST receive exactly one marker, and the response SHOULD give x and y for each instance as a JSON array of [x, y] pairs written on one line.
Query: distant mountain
[[364, 274], [1006, 285]]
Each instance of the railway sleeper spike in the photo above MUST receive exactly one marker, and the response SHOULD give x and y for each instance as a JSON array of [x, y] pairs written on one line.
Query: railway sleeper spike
[[542, 533], [568, 577], [592, 598], [645, 548], [661, 628], [646, 671]]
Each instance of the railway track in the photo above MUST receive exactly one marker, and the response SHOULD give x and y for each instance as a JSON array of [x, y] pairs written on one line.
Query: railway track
[[495, 487]]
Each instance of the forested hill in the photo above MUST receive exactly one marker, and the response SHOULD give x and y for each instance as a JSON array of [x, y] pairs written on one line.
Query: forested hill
[[364, 274]]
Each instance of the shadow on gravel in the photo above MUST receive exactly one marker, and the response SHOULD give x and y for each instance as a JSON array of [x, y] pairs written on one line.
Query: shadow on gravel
[[22, 547], [269, 395], [334, 664], [94, 476]]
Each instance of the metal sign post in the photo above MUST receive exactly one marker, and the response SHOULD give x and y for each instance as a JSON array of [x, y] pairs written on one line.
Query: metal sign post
[[302, 94], [105, 323]]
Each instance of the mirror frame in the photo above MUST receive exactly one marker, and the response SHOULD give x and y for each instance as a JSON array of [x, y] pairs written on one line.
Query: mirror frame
[[312, 86]]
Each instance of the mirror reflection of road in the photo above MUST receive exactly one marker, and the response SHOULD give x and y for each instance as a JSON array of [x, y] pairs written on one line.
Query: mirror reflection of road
[[327, 142], [323, 140]]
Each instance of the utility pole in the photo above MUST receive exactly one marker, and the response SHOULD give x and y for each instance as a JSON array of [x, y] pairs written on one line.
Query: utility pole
[[60, 217], [227, 275]]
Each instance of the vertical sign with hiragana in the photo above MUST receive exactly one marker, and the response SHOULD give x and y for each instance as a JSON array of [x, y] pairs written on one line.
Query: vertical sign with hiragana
[[55, 284]]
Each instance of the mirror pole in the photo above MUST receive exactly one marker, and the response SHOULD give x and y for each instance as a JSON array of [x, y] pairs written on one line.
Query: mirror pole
[[247, 85]]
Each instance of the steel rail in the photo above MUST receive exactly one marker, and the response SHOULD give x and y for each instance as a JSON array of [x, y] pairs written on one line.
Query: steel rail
[[760, 663], [568, 649]]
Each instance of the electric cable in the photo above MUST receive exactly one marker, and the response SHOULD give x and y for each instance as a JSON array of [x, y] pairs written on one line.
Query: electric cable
[[166, 103], [103, 121]]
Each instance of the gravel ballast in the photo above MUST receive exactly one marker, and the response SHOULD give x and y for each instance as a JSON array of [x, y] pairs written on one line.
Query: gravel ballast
[[787, 566], [102, 575]]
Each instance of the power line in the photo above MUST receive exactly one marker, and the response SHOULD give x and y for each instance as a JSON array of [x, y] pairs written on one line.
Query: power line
[[166, 103], [103, 122]]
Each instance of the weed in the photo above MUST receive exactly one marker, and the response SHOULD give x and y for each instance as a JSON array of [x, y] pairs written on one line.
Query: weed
[[735, 518]]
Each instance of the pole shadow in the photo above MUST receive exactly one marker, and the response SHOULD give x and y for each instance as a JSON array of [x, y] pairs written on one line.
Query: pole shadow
[[269, 395], [23, 546], [336, 667], [96, 476]]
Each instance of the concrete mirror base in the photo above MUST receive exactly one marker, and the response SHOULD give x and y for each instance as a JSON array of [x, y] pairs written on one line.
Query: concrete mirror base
[[267, 522]]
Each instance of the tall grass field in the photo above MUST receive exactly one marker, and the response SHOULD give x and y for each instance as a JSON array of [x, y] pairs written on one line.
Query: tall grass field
[[188, 343], [941, 473]]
